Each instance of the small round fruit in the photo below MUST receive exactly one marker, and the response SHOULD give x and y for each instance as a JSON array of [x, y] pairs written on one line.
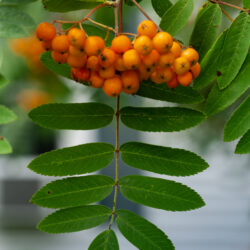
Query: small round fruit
[[131, 59], [95, 80], [47, 45], [195, 70], [59, 58], [93, 63], [94, 45], [166, 60], [152, 59], [113, 86], [77, 62], [107, 72], [60, 44], [191, 55], [163, 42], [144, 72], [45, 31], [143, 45], [75, 51], [185, 79], [80, 75], [181, 65], [173, 83], [176, 49], [107, 57], [77, 37], [130, 81], [162, 75], [119, 65], [121, 44], [147, 28]]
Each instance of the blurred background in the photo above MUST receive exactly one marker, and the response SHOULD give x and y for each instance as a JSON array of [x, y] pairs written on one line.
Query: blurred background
[[223, 224]]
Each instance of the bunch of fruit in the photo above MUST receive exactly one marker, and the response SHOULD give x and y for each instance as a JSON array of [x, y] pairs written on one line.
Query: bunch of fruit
[[152, 55]]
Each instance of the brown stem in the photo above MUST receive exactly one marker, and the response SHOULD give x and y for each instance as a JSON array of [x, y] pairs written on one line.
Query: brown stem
[[230, 5], [227, 14]]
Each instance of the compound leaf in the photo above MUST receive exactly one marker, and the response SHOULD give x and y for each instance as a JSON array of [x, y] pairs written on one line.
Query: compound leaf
[[73, 192], [6, 115], [176, 17], [159, 193], [75, 116], [5, 147], [243, 146], [140, 232], [239, 122], [162, 160], [3, 81], [76, 160], [75, 219], [107, 240], [161, 6], [160, 119]]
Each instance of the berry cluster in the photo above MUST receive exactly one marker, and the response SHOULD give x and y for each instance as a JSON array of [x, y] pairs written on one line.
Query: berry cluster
[[152, 55]]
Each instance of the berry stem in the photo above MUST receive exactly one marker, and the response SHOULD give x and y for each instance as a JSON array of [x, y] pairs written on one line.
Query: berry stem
[[227, 14], [229, 4]]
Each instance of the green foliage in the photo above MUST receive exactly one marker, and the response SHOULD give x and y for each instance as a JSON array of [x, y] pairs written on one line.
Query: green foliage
[[76, 160], [206, 28], [141, 233], [72, 192], [162, 160], [160, 119], [243, 146], [218, 99], [6, 115], [130, 3], [3, 81], [246, 4], [239, 122], [235, 50], [176, 17], [5, 147], [16, 2], [159, 193], [105, 241], [14, 23], [162, 92], [75, 219], [76, 116], [161, 6]]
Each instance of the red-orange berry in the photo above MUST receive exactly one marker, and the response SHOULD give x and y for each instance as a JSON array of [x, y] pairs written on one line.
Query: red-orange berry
[[191, 55], [119, 65], [80, 75], [121, 44], [107, 57], [130, 81], [131, 59], [77, 37], [176, 49], [47, 45], [163, 42], [166, 60], [77, 62], [59, 58], [94, 45], [107, 72], [185, 79], [113, 86], [195, 70], [60, 44], [162, 75], [75, 51], [45, 31], [173, 83], [144, 72], [93, 63], [181, 65], [96, 81], [152, 59], [143, 45], [147, 28]]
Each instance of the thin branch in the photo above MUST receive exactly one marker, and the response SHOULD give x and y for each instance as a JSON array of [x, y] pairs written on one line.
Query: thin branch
[[227, 14], [101, 25], [230, 5]]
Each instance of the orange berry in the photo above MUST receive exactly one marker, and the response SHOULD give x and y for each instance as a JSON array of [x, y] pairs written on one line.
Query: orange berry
[[166, 60], [74, 51], [163, 42], [107, 57], [130, 81], [176, 49], [113, 86], [152, 59], [147, 28], [60, 44], [94, 45], [77, 37], [144, 72], [196, 70], [131, 59], [121, 44], [59, 58], [173, 83], [95, 80], [93, 63], [76, 61], [107, 72], [47, 45], [181, 65], [191, 55], [119, 65], [80, 75], [143, 45], [185, 79], [45, 31], [162, 75]]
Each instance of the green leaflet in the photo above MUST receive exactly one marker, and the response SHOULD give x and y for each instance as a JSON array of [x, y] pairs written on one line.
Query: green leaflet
[[246, 4], [6, 115], [5, 147], [142, 233], [76, 160], [107, 240], [73, 192], [159, 193], [161, 6], [162, 160], [3, 81], [206, 28], [160, 119], [239, 122], [128, 2], [176, 17], [218, 99], [16, 27], [74, 219], [209, 64], [243, 146], [235, 50], [16, 2], [162, 92], [75, 116]]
